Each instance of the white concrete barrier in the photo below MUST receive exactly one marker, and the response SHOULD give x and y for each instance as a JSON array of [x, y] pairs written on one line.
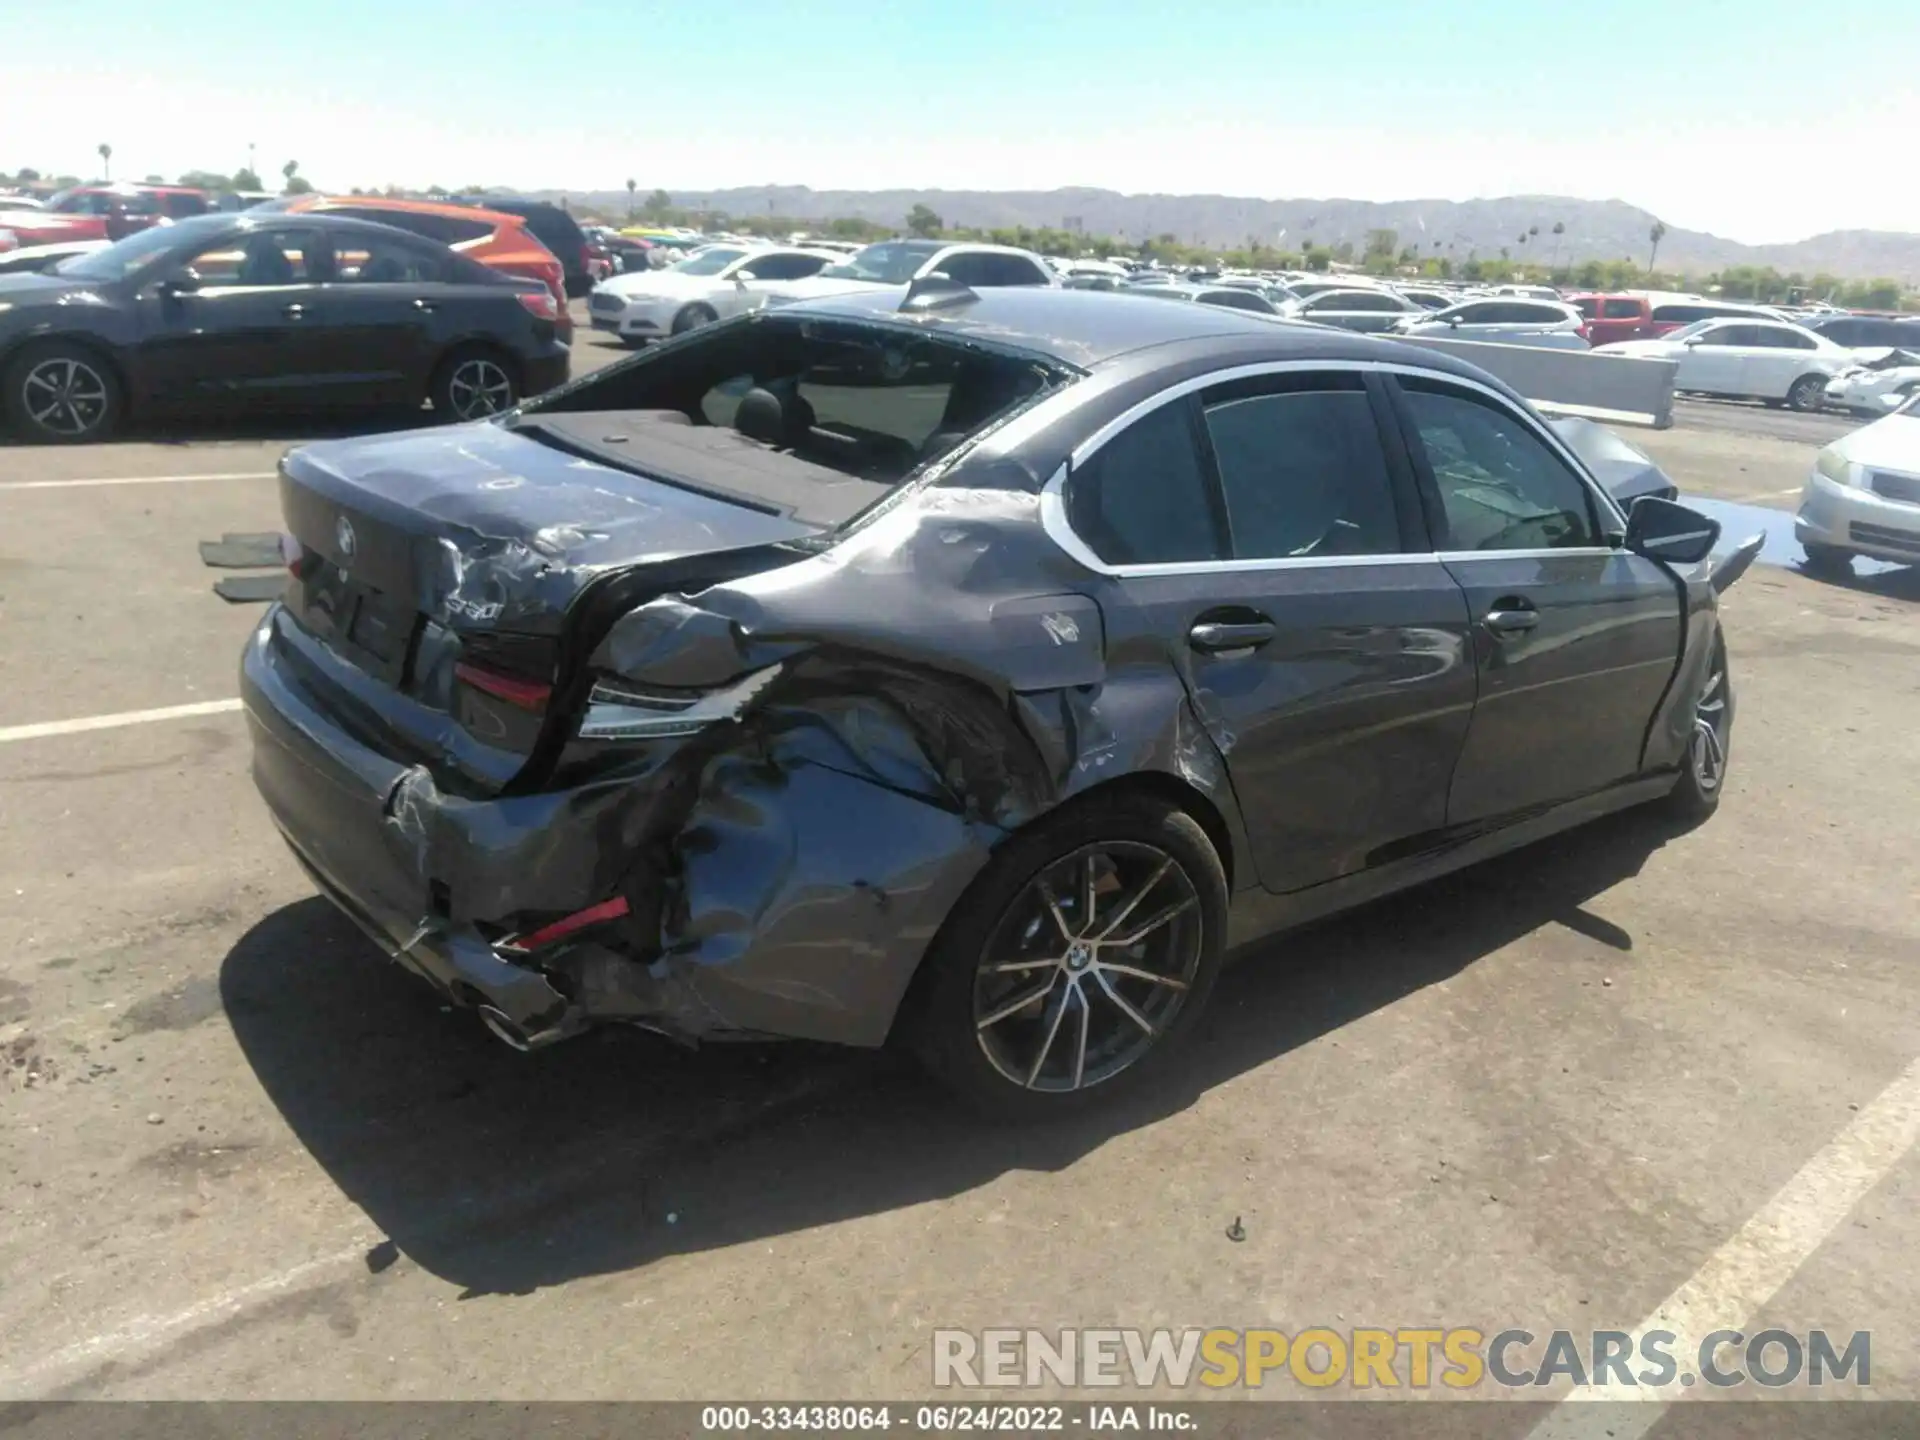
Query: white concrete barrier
[[1622, 389]]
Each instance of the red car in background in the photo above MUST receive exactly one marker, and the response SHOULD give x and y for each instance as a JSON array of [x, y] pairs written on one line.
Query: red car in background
[[99, 212], [1614, 317]]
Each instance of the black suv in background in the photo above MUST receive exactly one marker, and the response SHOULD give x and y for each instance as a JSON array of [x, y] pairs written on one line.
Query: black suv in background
[[1866, 332], [555, 229]]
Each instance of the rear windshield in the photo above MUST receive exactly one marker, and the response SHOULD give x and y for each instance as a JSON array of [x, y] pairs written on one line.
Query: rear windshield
[[869, 401]]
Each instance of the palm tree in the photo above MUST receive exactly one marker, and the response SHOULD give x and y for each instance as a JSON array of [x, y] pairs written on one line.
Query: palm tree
[[1656, 235], [1559, 229], [632, 185], [106, 160]]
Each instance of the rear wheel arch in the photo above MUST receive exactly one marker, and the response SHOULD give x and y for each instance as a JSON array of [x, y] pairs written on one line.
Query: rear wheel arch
[[1182, 794]]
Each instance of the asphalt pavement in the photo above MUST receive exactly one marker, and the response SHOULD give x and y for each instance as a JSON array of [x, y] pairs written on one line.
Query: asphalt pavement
[[244, 1156]]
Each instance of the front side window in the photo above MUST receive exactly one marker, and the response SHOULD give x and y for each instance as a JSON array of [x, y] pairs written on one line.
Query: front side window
[[1303, 473], [1617, 310], [1722, 335], [1142, 500], [708, 262], [1500, 486], [285, 256]]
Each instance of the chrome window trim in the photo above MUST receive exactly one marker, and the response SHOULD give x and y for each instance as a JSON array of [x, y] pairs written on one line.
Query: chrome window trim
[[1053, 506]]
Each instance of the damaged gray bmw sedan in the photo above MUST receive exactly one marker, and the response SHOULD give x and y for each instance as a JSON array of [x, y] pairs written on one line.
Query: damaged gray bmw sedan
[[973, 669]]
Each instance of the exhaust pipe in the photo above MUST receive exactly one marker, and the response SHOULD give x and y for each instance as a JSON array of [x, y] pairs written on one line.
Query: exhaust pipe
[[504, 1030]]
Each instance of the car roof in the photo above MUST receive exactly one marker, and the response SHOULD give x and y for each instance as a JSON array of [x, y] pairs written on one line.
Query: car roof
[[1088, 328], [311, 204]]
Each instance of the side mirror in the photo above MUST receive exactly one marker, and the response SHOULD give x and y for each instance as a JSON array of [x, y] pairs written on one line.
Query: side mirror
[[1453, 322], [185, 283], [1661, 530], [741, 277], [1691, 341]]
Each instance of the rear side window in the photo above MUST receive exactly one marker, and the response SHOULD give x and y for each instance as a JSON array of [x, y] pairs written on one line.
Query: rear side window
[[1616, 310], [1589, 307], [371, 260], [784, 267], [181, 206], [1371, 302], [1303, 474], [1500, 486], [1142, 500]]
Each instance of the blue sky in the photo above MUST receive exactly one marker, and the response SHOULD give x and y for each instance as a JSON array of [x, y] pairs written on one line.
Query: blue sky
[[1762, 120]]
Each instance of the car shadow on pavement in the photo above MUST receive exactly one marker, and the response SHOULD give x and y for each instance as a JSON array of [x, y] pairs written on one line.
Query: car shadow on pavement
[[502, 1172]]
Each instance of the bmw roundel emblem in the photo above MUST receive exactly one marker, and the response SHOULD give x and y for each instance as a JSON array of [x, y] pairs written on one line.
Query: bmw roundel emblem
[[343, 533]]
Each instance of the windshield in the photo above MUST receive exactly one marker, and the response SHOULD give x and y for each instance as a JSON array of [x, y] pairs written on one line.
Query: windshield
[[124, 257], [891, 262], [707, 262]]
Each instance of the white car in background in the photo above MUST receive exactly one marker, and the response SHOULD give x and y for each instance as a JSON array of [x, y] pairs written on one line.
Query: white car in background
[[1499, 320], [1863, 497], [890, 263], [1767, 360], [712, 283], [1878, 386]]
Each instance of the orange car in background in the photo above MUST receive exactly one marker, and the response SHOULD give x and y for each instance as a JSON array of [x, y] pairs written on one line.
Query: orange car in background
[[497, 240]]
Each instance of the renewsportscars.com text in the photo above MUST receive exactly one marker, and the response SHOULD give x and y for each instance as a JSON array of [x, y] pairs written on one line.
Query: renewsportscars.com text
[[1363, 1358]]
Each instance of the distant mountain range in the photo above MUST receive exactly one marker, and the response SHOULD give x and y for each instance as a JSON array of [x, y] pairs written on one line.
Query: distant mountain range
[[1595, 229]]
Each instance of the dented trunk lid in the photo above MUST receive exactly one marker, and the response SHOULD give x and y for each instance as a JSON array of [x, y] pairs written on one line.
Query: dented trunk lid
[[449, 569]]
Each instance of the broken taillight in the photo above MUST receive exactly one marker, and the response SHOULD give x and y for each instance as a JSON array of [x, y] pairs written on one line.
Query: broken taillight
[[527, 694], [539, 304]]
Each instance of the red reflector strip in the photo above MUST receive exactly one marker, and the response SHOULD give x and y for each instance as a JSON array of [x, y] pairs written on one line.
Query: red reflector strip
[[559, 930], [527, 694]]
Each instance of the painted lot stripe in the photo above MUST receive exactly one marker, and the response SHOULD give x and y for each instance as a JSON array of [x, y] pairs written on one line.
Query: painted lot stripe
[[46, 728], [148, 1331], [1749, 1270], [133, 480]]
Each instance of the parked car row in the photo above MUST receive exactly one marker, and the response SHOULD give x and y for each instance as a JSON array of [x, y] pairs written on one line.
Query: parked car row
[[310, 310]]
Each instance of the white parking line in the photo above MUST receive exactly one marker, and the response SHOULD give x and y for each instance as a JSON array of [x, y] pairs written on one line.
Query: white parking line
[[1749, 1270], [147, 1330], [133, 480], [112, 722]]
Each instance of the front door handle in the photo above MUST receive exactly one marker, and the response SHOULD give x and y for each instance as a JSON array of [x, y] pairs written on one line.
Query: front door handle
[[1511, 614], [1213, 636], [295, 312], [425, 307]]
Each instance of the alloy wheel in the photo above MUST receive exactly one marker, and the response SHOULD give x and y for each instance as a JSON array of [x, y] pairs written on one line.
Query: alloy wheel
[[479, 387], [1708, 751], [1089, 967], [64, 396]]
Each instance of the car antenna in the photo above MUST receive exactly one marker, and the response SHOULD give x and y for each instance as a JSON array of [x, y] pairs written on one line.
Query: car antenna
[[936, 292]]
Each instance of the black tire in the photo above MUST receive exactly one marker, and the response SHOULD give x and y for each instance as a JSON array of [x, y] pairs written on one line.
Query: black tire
[[474, 381], [1142, 1029], [1703, 771], [1807, 393], [1829, 560], [692, 317], [60, 393]]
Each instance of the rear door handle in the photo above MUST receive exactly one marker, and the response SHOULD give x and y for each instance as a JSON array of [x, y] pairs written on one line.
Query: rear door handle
[[1213, 636], [1512, 614]]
